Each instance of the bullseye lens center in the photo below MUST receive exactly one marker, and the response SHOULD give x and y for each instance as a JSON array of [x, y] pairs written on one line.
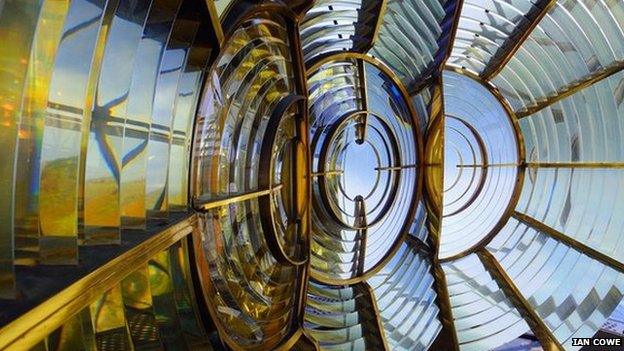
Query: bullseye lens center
[[360, 169]]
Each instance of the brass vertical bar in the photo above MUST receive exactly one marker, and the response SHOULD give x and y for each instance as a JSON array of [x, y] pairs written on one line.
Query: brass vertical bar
[[573, 89], [571, 242], [447, 339], [377, 313], [537, 325], [362, 233], [215, 21], [380, 10], [517, 37], [429, 76], [459, 4], [303, 167], [434, 159], [363, 86]]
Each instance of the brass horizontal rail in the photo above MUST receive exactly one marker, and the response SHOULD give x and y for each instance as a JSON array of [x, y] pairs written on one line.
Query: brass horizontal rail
[[575, 165], [550, 165], [493, 165], [395, 168], [209, 205], [33, 326], [327, 173]]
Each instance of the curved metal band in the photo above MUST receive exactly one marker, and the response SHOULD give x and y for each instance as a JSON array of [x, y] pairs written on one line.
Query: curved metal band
[[515, 196], [483, 178], [417, 190], [265, 180], [323, 158]]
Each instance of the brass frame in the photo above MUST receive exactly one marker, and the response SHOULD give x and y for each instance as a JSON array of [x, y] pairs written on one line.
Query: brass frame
[[379, 322], [484, 154], [216, 23], [383, 5], [447, 338], [208, 205], [327, 142], [31, 327], [515, 40], [428, 77], [453, 33], [505, 283]]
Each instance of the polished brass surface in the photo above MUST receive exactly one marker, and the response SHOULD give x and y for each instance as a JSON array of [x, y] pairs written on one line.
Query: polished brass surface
[[379, 323], [542, 332], [447, 339], [205, 206], [34, 325], [434, 160], [214, 20]]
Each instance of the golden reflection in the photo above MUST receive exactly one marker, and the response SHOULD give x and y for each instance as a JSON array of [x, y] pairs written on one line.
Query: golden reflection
[[109, 321], [35, 101], [17, 33]]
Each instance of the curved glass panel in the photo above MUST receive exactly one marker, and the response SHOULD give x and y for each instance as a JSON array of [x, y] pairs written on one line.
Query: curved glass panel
[[484, 27], [480, 158], [484, 317], [407, 40], [244, 159], [572, 42], [308, 224], [338, 318], [542, 267], [364, 142], [585, 127], [329, 26], [406, 299]]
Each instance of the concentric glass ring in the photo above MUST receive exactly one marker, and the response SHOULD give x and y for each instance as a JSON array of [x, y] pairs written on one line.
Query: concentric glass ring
[[368, 135]]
